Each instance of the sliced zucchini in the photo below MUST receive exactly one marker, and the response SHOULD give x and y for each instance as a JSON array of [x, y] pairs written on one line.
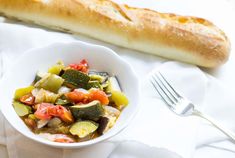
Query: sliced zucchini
[[22, 91], [103, 74], [94, 84], [83, 128], [50, 82], [75, 78], [91, 111], [22, 109], [98, 78]]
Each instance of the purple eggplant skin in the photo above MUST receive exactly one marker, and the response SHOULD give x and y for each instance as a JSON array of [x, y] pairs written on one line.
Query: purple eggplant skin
[[103, 122]]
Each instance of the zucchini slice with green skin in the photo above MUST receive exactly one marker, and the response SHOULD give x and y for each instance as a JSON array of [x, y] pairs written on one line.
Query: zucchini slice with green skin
[[21, 109], [91, 111], [103, 74], [75, 78], [94, 84], [98, 78], [83, 128]]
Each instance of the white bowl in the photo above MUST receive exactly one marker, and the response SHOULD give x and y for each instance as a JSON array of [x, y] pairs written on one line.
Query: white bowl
[[100, 58]]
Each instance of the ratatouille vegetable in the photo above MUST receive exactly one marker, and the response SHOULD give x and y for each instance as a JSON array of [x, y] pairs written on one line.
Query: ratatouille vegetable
[[71, 103]]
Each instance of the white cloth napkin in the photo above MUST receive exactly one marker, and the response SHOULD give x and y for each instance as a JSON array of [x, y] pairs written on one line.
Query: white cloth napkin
[[154, 125]]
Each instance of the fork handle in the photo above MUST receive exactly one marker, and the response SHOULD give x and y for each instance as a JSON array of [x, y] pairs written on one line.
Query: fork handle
[[226, 131]]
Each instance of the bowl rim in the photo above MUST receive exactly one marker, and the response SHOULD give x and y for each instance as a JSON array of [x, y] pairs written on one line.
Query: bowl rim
[[92, 141]]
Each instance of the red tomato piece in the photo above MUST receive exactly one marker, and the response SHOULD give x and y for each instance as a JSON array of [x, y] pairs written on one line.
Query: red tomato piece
[[96, 94], [84, 62], [82, 97], [42, 111], [77, 96], [61, 112], [82, 66], [46, 110], [27, 99]]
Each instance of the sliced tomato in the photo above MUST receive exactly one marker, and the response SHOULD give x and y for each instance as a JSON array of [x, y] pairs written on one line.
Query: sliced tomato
[[62, 138], [96, 94], [42, 111], [67, 117], [77, 96], [84, 62], [82, 66], [27, 99], [61, 112], [82, 97], [46, 111]]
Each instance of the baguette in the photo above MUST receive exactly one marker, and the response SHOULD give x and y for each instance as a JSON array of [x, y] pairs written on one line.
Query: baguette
[[184, 38]]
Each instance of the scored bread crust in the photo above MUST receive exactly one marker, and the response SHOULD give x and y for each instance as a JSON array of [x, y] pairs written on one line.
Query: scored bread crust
[[184, 38]]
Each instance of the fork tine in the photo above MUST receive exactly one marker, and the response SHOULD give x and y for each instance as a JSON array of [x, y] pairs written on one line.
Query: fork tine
[[168, 84], [166, 89], [177, 103], [161, 92]]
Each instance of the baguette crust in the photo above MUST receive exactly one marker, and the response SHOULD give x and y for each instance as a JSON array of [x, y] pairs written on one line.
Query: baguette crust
[[184, 38]]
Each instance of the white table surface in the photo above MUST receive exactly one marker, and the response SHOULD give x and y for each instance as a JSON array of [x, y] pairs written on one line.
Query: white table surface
[[220, 12]]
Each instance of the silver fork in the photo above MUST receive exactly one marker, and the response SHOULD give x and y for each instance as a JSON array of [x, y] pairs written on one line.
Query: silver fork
[[181, 105]]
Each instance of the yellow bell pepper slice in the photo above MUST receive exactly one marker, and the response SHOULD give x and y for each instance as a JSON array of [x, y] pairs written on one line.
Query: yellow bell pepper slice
[[55, 69], [22, 91], [119, 99]]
